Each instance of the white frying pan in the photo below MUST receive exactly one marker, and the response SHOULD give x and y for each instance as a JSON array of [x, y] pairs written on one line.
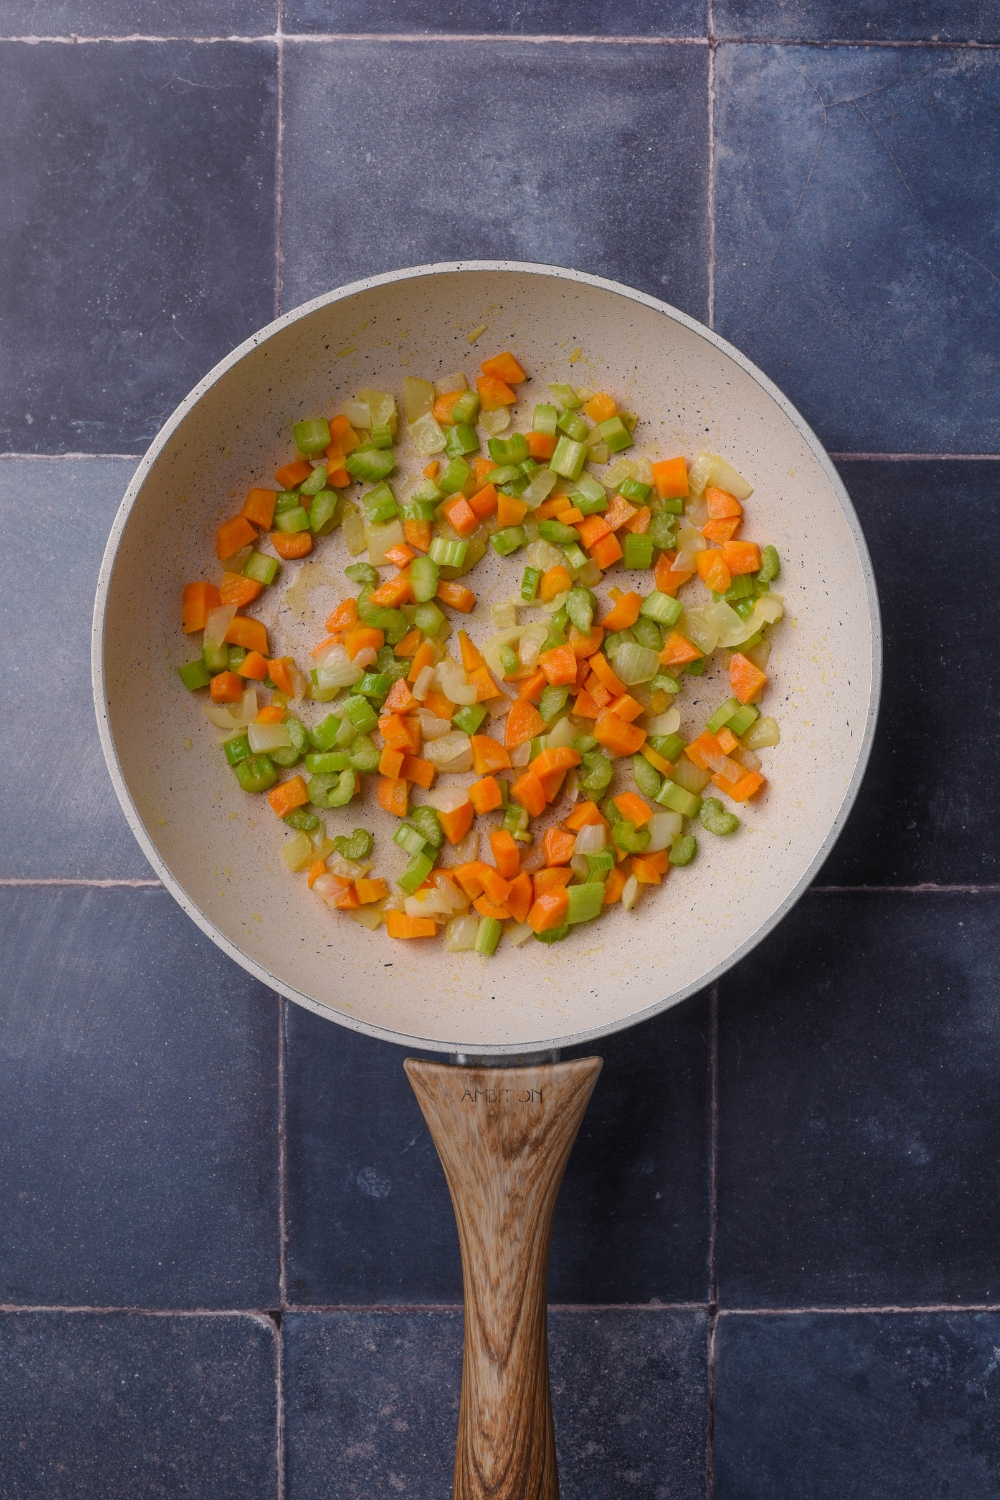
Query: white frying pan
[[216, 849]]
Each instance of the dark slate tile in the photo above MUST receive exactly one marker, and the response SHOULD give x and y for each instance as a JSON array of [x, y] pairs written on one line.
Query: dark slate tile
[[61, 816], [125, 1404], [186, 18], [633, 1217], [828, 1407], [138, 1108], [849, 20], [672, 18], [566, 146], [929, 803], [856, 238], [137, 231], [859, 1121], [372, 1399]]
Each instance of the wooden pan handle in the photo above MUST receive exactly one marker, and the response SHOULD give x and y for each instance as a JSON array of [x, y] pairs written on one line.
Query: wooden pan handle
[[504, 1136]]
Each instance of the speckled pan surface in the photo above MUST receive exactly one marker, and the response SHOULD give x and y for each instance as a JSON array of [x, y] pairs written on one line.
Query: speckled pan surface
[[217, 849]]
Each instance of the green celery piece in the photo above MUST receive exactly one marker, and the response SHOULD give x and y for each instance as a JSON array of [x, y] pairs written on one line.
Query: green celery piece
[[741, 720], [637, 551], [568, 459], [760, 587], [770, 565], [362, 573], [305, 822], [392, 621], [429, 619], [544, 419], [311, 437], [555, 531], [662, 532], [683, 850], [503, 474], [335, 790], [390, 665], [261, 568], [662, 608], [590, 507], [584, 742], [285, 756], [515, 818], [363, 754], [552, 701], [195, 675], [647, 778], [373, 685], [673, 507], [469, 718], [695, 668], [358, 846], [215, 658], [327, 762], [740, 588], [580, 609], [423, 578], [615, 434], [315, 482], [466, 408], [256, 774], [509, 660], [575, 557], [286, 500], [573, 426], [361, 714], [372, 464], [722, 715], [460, 439], [634, 489], [421, 510], [626, 836], [554, 934], [448, 553], [380, 504], [678, 800], [292, 520], [585, 901], [427, 823], [454, 477], [530, 580], [418, 867], [324, 735], [744, 608], [587, 488], [380, 436], [237, 750], [509, 540], [648, 634], [511, 450], [601, 863], [715, 819], [670, 746], [488, 935], [297, 733], [553, 639], [565, 395], [409, 840], [664, 683], [324, 513], [598, 770], [559, 620]]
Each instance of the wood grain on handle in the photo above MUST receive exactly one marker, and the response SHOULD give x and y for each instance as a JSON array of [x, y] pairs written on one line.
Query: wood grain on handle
[[504, 1136]]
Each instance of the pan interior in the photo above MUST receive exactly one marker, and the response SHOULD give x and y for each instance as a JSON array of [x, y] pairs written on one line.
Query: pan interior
[[218, 848]]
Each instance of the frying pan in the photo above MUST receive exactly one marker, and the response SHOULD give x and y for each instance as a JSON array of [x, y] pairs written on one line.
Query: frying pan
[[504, 1131]]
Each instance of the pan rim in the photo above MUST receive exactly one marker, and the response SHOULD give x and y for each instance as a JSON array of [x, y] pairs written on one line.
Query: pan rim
[[473, 1048]]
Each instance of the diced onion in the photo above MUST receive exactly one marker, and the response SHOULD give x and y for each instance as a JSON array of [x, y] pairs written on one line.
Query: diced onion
[[455, 896], [461, 932], [218, 623], [543, 555], [746, 758], [468, 849], [353, 529], [724, 767], [622, 468], [381, 538], [418, 397], [522, 755], [334, 668], [265, 737], [578, 864], [695, 627], [348, 869], [505, 637], [447, 799], [326, 886], [431, 727], [663, 828], [428, 438], [762, 734], [759, 654], [297, 853], [562, 733], [237, 717], [518, 933], [590, 839], [543, 482], [422, 686], [495, 422], [450, 752], [371, 917], [381, 405], [449, 383], [531, 643], [690, 540], [599, 453], [358, 414], [428, 904], [630, 893], [635, 663], [769, 608], [366, 657], [667, 723], [571, 786], [644, 469], [589, 575], [727, 624], [237, 562], [504, 613], [555, 605]]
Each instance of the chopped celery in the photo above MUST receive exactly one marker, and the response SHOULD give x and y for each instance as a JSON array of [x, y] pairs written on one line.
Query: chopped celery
[[615, 434], [311, 437], [760, 588], [554, 934], [261, 568], [678, 800], [327, 762], [573, 426], [695, 668], [423, 578], [740, 588], [418, 867], [626, 836], [215, 658], [195, 675], [373, 685], [565, 395], [371, 464], [469, 718], [315, 482], [611, 811], [409, 839], [256, 774], [744, 607], [662, 608], [637, 550], [515, 487], [670, 746], [361, 714], [509, 660], [237, 750], [647, 633], [428, 824], [530, 579], [334, 789], [305, 822], [683, 850], [585, 901], [448, 554], [428, 618], [559, 620], [460, 439], [634, 489], [358, 846], [454, 477], [614, 642], [515, 820], [544, 419], [537, 745], [580, 609], [584, 742], [511, 450], [379, 437], [392, 621], [722, 715], [568, 459], [286, 755], [600, 863], [715, 819], [363, 754], [504, 474], [741, 720], [391, 665], [509, 540], [323, 513], [598, 770], [555, 531], [552, 702], [647, 778], [286, 500], [770, 565], [292, 520], [664, 683], [673, 507], [420, 510], [662, 532], [380, 504], [588, 507], [466, 408], [576, 558], [361, 573], [489, 934]]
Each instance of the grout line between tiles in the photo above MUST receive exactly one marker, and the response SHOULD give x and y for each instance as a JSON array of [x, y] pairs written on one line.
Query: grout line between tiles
[[102, 885], [282, 1158], [269, 1317], [907, 890], [279, 162], [873, 1309], [533, 39], [259, 1315], [713, 1228], [905, 458], [279, 1393], [711, 183], [48, 457]]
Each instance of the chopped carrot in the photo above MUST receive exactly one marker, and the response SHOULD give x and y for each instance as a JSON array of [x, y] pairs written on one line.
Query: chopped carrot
[[506, 855], [455, 595], [397, 733], [457, 823], [443, 408], [666, 580], [617, 736], [559, 758], [247, 633], [510, 510], [727, 740], [253, 666], [550, 879], [592, 529], [288, 795], [469, 877], [487, 908], [584, 707], [504, 367], [549, 911], [721, 504], [344, 617], [461, 517], [482, 468], [488, 755], [554, 581], [558, 846], [272, 714], [399, 925], [602, 670], [533, 687], [316, 869], [639, 523], [418, 535], [540, 444], [409, 645], [741, 557], [626, 707], [364, 636], [370, 890], [523, 723], [614, 885], [606, 551], [678, 651], [280, 671], [659, 762], [258, 507], [746, 679], [554, 506], [712, 570], [291, 545], [197, 603], [625, 612], [343, 434], [348, 899], [400, 555], [226, 687], [645, 870], [740, 790], [528, 792], [583, 645], [399, 699], [439, 704], [600, 407], [559, 666], [484, 685], [671, 478], [583, 814], [432, 470], [598, 692], [419, 771], [485, 794], [520, 897], [551, 783], [721, 532], [233, 535], [633, 809], [391, 763], [704, 749], [484, 502], [392, 794], [292, 475], [471, 657], [619, 511]]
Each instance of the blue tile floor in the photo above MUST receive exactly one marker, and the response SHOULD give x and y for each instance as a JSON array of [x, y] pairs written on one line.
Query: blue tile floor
[[228, 1262]]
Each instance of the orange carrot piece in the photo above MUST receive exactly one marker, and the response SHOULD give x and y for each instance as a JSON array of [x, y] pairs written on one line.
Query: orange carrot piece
[[626, 707], [671, 478], [633, 808], [291, 545], [392, 794], [741, 557], [485, 794], [348, 899], [395, 591], [391, 763], [598, 692], [226, 687], [558, 846], [583, 814], [721, 532], [365, 635], [504, 367], [197, 603], [493, 393], [646, 870], [461, 517], [551, 783], [253, 666], [614, 885], [585, 645], [746, 679], [659, 762], [484, 685], [619, 511], [584, 707], [232, 535], [370, 890], [488, 755], [600, 407], [712, 570], [247, 633], [625, 612], [280, 671], [559, 758], [532, 687], [591, 529], [529, 793], [409, 645], [520, 897], [292, 475], [443, 408], [722, 506], [704, 748], [316, 869], [432, 470], [472, 659], [678, 651], [487, 908], [667, 581], [258, 507], [399, 925], [506, 854], [419, 771], [482, 468], [602, 670], [395, 731], [549, 911], [540, 444], [617, 736], [559, 666], [606, 551], [457, 823], [510, 511], [288, 795], [455, 595], [399, 699], [550, 880], [343, 434], [727, 740], [523, 722], [439, 704], [469, 877], [740, 790], [272, 714], [418, 535], [344, 617], [554, 581], [484, 502], [640, 521]]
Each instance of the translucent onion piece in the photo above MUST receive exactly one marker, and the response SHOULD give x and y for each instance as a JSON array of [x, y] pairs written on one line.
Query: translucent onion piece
[[353, 529], [578, 864], [643, 470], [589, 575], [500, 706], [630, 893], [428, 904], [223, 719], [769, 608], [447, 799], [381, 406], [695, 627], [237, 562], [491, 650], [334, 668], [724, 767], [696, 511], [431, 727], [423, 684], [460, 692], [348, 869], [599, 453], [427, 435], [460, 934], [455, 896], [450, 752], [531, 643], [543, 482], [544, 555], [556, 604], [366, 657], [495, 422], [622, 468], [521, 756], [590, 839], [449, 383], [381, 538], [725, 477], [667, 723], [326, 886], [504, 613], [698, 473], [728, 625], [635, 663], [571, 786], [418, 397], [468, 849], [684, 562], [518, 933], [562, 733], [746, 758], [759, 654], [762, 734], [218, 623], [265, 737], [663, 829], [371, 917], [358, 414], [690, 540]]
